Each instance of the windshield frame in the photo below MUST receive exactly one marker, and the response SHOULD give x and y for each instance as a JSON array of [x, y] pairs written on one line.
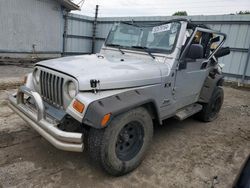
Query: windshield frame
[[152, 50]]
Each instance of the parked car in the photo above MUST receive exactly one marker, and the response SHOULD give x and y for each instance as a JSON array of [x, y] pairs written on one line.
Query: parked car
[[107, 102]]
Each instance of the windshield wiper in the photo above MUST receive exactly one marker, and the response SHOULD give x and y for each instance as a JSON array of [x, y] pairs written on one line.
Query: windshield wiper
[[145, 49], [118, 47]]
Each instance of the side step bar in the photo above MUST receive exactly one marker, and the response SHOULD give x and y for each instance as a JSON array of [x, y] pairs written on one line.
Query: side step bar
[[188, 111]]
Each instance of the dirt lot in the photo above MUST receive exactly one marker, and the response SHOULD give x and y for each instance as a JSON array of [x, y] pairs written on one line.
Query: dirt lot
[[12, 75], [7, 71], [183, 154]]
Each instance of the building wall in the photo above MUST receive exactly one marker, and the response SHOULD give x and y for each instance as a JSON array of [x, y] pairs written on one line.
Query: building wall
[[25, 23]]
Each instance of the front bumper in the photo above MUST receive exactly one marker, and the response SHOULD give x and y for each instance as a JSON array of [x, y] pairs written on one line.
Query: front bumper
[[42, 123]]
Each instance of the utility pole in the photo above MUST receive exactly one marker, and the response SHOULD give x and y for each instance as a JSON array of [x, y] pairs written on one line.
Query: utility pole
[[94, 29]]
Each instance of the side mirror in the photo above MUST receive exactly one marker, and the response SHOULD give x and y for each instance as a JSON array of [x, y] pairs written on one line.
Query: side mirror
[[196, 51], [222, 52], [215, 39]]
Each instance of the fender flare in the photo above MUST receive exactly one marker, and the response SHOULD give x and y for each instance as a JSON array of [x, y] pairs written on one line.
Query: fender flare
[[208, 87], [117, 104]]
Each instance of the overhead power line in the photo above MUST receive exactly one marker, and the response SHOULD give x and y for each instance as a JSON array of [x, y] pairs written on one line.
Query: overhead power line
[[163, 8], [153, 9]]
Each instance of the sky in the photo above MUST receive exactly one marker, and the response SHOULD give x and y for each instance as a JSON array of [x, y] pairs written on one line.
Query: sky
[[119, 8]]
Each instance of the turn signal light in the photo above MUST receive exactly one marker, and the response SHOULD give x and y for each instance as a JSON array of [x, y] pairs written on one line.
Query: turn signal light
[[78, 106], [105, 119]]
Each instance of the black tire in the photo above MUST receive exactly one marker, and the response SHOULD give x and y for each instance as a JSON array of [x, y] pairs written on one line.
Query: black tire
[[211, 109], [121, 147]]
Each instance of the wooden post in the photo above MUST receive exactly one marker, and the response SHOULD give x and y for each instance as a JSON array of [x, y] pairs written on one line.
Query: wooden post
[[65, 32], [94, 29]]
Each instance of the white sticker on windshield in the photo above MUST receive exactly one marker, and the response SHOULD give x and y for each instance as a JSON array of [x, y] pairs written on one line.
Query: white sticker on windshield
[[161, 28]]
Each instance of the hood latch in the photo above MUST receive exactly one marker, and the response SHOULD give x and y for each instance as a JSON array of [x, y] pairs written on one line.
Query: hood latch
[[93, 84]]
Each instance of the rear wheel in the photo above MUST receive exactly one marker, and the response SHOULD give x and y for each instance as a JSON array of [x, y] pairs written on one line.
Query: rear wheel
[[121, 147], [211, 109]]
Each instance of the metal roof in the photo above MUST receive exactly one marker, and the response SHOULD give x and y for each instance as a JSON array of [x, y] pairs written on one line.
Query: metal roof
[[68, 4]]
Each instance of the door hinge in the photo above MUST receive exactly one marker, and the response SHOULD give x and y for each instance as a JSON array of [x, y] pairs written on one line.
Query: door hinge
[[173, 90]]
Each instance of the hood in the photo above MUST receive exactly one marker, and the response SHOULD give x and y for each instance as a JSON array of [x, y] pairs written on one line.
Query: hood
[[112, 72]]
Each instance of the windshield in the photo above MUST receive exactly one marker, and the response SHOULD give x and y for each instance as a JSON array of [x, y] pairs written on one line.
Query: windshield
[[156, 38]]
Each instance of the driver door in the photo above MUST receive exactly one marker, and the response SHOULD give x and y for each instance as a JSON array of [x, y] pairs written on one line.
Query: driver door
[[189, 82], [190, 78]]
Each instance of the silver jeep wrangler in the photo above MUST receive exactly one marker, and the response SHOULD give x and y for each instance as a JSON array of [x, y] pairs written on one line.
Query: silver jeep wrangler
[[108, 102]]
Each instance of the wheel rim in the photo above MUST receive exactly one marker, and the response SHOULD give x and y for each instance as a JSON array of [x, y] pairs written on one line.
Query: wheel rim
[[129, 141], [215, 108]]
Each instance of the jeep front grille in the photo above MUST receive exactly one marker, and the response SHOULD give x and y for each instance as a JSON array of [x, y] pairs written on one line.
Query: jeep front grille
[[51, 88]]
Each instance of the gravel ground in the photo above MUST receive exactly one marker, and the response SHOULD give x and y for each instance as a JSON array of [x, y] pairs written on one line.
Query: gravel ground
[[183, 154], [7, 71], [11, 76]]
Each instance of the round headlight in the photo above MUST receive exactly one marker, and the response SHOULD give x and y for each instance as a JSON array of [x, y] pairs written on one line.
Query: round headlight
[[71, 89], [36, 75]]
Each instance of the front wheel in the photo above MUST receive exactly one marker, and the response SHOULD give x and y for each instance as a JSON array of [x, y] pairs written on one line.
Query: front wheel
[[121, 147], [211, 109]]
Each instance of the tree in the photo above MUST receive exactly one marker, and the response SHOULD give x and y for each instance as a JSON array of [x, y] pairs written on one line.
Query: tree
[[243, 12], [180, 13]]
